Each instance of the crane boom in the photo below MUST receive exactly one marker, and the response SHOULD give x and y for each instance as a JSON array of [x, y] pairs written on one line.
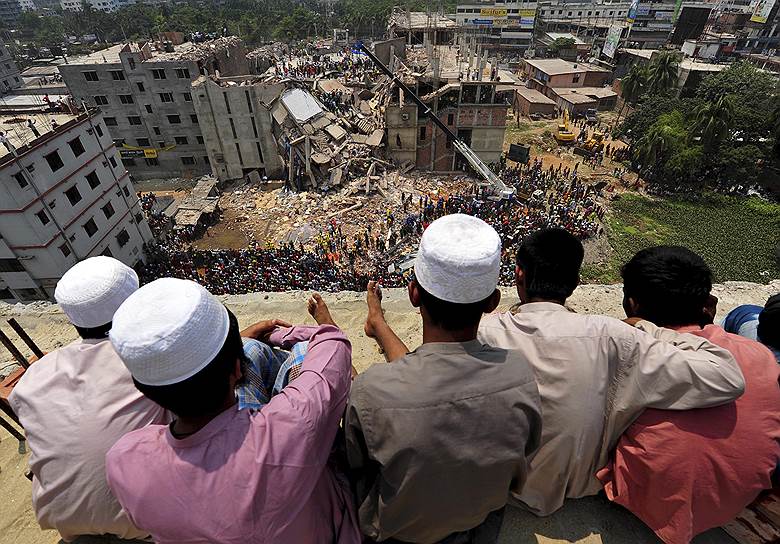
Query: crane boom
[[499, 187]]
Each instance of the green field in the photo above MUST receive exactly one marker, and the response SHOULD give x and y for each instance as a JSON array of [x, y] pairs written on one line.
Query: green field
[[738, 237]]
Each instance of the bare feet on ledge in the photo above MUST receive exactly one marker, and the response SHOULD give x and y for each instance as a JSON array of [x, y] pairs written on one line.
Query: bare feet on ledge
[[319, 310], [375, 313]]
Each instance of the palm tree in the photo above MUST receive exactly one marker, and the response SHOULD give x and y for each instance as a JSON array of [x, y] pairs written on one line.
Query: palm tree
[[654, 145], [633, 86], [714, 121], [663, 71]]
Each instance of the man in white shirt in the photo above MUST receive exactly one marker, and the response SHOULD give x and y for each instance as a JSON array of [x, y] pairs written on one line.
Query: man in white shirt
[[595, 374], [75, 403]]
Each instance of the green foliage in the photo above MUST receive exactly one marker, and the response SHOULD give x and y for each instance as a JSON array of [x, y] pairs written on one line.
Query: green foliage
[[663, 71], [560, 44], [299, 24], [737, 236], [714, 121]]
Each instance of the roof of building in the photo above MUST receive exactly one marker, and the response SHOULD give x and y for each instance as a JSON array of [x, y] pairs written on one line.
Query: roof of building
[[556, 67], [187, 51], [534, 96], [574, 96], [701, 66], [565, 35], [419, 20], [14, 125], [643, 53]]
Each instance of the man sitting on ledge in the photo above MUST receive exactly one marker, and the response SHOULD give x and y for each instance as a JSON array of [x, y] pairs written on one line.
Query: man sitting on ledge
[[685, 472], [596, 374], [438, 436]]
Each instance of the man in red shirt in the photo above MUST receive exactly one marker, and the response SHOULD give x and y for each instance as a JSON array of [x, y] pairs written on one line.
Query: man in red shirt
[[685, 472]]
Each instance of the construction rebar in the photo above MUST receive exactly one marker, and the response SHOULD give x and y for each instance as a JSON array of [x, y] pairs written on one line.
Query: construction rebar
[[25, 337]]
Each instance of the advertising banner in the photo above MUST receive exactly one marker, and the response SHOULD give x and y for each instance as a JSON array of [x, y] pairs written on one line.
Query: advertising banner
[[761, 10], [527, 17], [492, 12], [613, 38], [632, 11]]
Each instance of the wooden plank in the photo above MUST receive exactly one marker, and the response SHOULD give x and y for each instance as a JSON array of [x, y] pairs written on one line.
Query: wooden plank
[[768, 505], [13, 351], [750, 527], [25, 337]]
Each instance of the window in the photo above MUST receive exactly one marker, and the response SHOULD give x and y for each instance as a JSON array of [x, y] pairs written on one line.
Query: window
[[110, 121], [174, 119], [450, 118], [187, 97], [76, 146], [126, 191], [90, 76], [99, 130], [166, 97], [21, 180], [188, 160], [148, 108], [183, 73], [140, 87], [152, 162], [259, 151], [161, 144], [93, 179], [90, 227], [181, 140], [11, 265], [575, 78], [43, 217], [227, 103], [108, 210], [193, 119], [143, 142], [139, 217], [122, 238], [134, 120], [126, 98], [156, 130], [73, 195], [131, 62], [422, 133], [112, 160], [200, 139], [233, 127], [100, 100], [107, 252], [65, 250], [117, 75], [119, 142], [54, 160], [158, 73]]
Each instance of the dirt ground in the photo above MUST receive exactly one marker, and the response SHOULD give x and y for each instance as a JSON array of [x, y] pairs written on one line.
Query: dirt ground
[[590, 521]]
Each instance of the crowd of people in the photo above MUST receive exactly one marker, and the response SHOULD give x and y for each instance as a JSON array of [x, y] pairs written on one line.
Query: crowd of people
[[305, 63], [339, 261], [172, 424]]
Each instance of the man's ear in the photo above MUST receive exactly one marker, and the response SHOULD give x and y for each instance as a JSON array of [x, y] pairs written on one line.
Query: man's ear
[[414, 294], [630, 306], [493, 302], [519, 276]]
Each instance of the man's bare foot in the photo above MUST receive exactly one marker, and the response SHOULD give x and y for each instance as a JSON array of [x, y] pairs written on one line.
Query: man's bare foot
[[319, 310], [375, 312]]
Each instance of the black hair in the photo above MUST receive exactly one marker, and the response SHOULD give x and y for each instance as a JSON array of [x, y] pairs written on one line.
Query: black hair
[[94, 333], [550, 260], [205, 392], [670, 284], [452, 316], [769, 322]]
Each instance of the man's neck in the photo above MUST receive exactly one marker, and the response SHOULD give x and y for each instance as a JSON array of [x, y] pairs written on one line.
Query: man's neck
[[432, 333], [185, 426], [539, 299]]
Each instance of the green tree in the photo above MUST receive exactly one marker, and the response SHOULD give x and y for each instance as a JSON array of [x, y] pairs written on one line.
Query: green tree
[[560, 44], [714, 120], [633, 86], [299, 24], [663, 71]]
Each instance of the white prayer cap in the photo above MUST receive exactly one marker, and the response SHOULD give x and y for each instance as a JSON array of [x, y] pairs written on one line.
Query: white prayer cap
[[92, 290], [169, 330], [459, 259]]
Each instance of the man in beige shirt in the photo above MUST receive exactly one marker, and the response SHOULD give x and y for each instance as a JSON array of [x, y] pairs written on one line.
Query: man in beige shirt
[[438, 437], [595, 374], [75, 403]]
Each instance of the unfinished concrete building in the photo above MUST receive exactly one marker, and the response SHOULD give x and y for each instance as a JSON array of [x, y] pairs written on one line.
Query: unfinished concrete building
[[145, 93], [465, 91], [236, 123]]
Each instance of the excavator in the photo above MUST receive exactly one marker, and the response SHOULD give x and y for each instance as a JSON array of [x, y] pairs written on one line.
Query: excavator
[[591, 146], [564, 135]]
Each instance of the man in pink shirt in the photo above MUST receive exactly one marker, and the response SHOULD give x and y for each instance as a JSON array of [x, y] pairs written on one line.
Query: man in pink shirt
[[685, 472], [218, 474]]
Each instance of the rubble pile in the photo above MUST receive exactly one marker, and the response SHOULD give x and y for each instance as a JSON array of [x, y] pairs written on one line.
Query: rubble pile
[[198, 52]]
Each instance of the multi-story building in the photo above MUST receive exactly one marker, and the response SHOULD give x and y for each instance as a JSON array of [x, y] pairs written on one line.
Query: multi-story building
[[10, 10], [235, 119], [10, 78], [109, 6], [500, 25], [64, 196], [145, 94]]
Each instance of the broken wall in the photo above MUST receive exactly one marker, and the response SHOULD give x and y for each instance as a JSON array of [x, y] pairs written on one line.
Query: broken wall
[[402, 129], [383, 49]]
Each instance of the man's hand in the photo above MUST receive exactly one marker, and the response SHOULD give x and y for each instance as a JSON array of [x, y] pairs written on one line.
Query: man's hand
[[262, 329]]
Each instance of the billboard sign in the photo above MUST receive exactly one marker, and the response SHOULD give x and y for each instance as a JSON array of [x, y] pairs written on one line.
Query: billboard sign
[[761, 10], [482, 21], [527, 17], [632, 11], [613, 38], [493, 12]]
